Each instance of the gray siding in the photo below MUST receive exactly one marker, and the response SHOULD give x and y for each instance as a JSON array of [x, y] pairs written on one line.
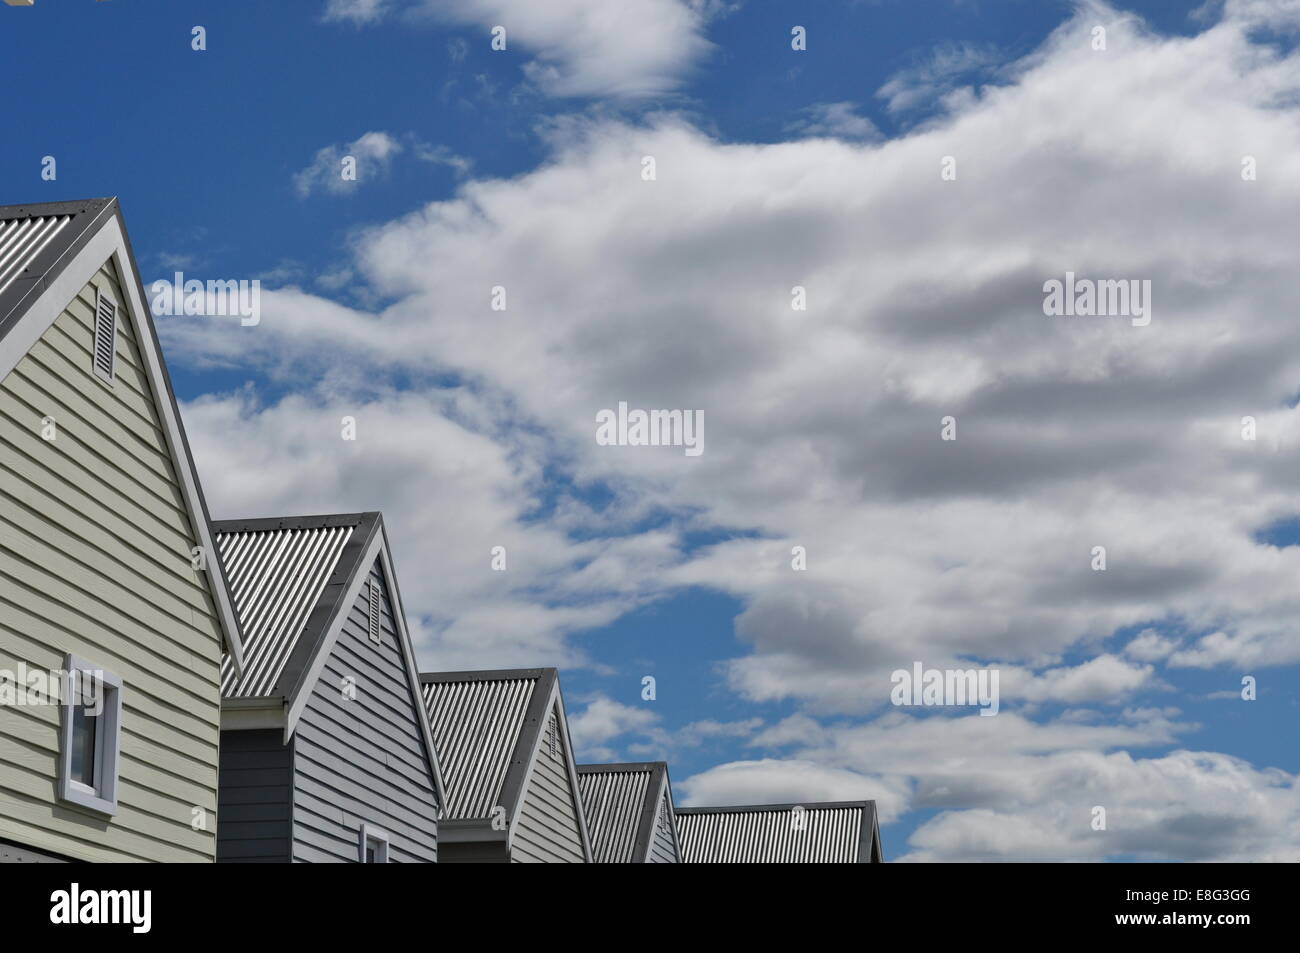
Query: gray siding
[[255, 810], [547, 827], [663, 846], [363, 760], [473, 852]]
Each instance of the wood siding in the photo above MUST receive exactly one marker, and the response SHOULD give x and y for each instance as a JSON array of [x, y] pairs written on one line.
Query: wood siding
[[547, 827], [95, 548], [363, 760], [663, 845], [255, 801]]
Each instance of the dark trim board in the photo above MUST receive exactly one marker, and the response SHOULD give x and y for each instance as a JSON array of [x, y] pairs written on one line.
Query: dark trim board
[[12, 852]]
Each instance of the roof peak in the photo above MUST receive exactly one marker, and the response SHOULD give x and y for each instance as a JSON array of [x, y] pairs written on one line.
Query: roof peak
[[806, 805], [43, 209], [263, 524], [629, 766], [488, 675]]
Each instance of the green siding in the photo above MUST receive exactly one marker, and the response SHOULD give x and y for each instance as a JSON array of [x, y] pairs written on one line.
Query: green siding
[[94, 559]]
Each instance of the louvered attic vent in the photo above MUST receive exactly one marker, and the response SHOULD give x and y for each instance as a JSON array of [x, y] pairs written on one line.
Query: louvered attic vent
[[376, 593], [553, 736], [105, 337]]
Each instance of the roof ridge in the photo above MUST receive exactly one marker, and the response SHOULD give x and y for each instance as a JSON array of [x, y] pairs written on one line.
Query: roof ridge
[[260, 524], [806, 805], [486, 675]]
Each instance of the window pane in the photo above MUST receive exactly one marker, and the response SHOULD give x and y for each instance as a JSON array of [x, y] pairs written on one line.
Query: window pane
[[84, 729]]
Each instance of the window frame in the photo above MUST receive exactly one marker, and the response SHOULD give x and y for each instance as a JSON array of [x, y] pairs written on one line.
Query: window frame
[[102, 797], [370, 833]]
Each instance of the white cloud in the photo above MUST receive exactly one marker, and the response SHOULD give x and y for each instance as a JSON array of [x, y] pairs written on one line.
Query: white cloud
[[449, 493], [1010, 789], [786, 782], [629, 49], [603, 721], [937, 76], [823, 426], [356, 11], [836, 120], [370, 158], [1150, 646], [371, 155], [1103, 679]]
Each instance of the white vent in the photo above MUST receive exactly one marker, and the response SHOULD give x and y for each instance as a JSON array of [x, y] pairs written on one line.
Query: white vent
[[552, 736], [105, 336], [376, 613]]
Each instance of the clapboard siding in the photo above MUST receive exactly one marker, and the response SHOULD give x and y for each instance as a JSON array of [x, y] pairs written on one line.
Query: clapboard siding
[[255, 810], [95, 544], [663, 845], [547, 828], [363, 760]]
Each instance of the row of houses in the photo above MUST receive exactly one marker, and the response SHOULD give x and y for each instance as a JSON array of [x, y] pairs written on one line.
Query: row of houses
[[179, 689]]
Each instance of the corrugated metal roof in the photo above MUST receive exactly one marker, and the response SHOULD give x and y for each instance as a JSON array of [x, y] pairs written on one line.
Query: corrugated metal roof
[[22, 239], [771, 835], [476, 725], [276, 577], [614, 802]]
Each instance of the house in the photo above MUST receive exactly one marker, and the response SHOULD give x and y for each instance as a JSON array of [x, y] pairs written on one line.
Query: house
[[114, 617], [512, 787], [839, 832], [629, 811], [326, 753]]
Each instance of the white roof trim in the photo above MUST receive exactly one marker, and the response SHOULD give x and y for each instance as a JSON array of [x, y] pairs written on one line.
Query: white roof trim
[[107, 242]]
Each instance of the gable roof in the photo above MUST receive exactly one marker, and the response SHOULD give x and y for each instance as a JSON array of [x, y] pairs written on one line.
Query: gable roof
[[288, 578], [487, 727], [621, 804], [48, 252], [843, 832], [294, 580]]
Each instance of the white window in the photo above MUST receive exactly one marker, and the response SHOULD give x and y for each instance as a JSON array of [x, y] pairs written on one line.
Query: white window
[[373, 845], [91, 736]]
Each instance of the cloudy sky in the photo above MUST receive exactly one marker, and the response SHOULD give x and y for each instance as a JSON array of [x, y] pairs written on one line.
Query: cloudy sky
[[1171, 155]]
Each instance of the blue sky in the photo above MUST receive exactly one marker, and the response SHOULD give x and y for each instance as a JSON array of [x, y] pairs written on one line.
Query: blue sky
[[776, 168]]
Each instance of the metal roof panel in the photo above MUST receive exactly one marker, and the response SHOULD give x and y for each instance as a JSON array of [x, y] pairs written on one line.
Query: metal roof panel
[[827, 833], [277, 571], [477, 721]]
